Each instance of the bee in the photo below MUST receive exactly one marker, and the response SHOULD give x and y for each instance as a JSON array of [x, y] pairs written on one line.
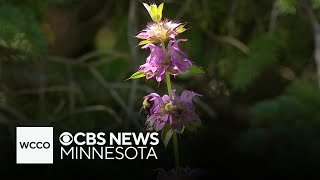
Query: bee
[[174, 109], [146, 106]]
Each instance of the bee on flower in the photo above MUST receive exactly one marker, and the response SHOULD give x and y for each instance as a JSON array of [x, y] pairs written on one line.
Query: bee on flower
[[176, 112]]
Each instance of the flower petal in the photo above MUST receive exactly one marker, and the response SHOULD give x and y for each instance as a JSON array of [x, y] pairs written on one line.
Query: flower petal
[[165, 98], [188, 95], [165, 117], [159, 125], [176, 47], [151, 120]]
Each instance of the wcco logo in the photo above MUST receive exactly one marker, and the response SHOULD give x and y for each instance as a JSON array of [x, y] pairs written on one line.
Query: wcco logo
[[34, 145]]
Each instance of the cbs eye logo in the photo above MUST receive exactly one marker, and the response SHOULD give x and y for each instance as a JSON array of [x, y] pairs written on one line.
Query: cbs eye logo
[[66, 138]]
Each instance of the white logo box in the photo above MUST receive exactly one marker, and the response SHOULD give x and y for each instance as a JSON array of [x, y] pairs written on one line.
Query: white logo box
[[34, 145]]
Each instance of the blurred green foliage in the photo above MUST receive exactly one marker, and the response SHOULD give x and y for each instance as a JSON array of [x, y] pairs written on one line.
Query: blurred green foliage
[[264, 54], [286, 127], [287, 6], [19, 27], [21, 24]]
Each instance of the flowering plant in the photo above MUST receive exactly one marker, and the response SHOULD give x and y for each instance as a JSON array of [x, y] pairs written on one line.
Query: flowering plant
[[169, 113]]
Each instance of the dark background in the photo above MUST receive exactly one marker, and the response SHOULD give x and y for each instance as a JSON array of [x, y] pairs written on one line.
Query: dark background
[[64, 64]]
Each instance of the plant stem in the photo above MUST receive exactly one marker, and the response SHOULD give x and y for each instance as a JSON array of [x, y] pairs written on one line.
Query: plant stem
[[176, 151], [175, 139], [168, 84]]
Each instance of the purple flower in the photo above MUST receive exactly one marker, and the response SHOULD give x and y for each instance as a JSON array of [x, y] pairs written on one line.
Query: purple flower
[[157, 32], [157, 63], [175, 112], [180, 61]]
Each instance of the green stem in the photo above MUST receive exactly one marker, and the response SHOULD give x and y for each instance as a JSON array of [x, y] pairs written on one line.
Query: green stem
[[176, 151], [168, 84], [175, 139]]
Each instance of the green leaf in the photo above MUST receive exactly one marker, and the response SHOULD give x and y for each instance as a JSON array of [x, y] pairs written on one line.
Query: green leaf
[[145, 42], [181, 29], [154, 12], [183, 128], [195, 69], [148, 8], [137, 75], [166, 135], [159, 13]]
